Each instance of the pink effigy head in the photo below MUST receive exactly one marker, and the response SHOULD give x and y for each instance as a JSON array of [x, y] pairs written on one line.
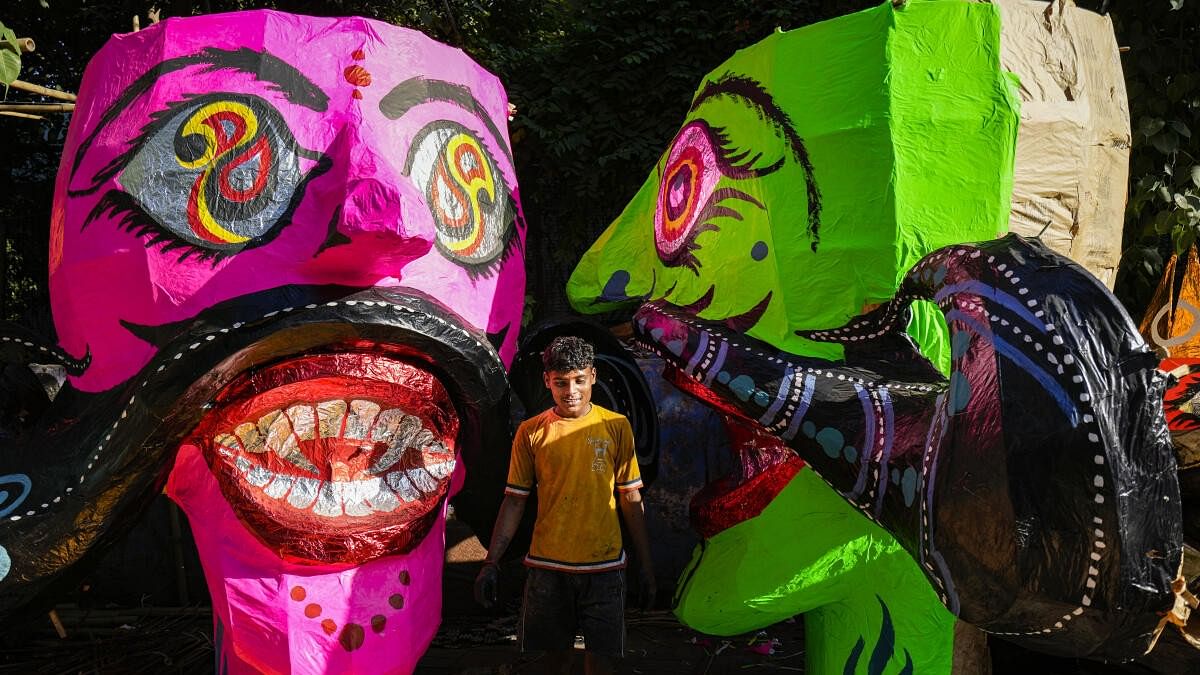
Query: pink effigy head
[[217, 166], [216, 156]]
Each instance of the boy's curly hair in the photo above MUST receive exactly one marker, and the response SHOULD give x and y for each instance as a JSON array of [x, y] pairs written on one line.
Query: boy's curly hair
[[567, 353]]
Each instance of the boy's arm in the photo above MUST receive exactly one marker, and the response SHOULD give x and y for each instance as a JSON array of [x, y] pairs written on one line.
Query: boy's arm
[[487, 582], [507, 521], [634, 512]]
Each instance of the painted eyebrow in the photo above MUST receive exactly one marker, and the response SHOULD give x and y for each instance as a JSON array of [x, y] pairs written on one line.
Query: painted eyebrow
[[417, 90], [752, 94], [265, 67]]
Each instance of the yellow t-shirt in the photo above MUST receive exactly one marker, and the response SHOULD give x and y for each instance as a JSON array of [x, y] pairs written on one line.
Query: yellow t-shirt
[[577, 464]]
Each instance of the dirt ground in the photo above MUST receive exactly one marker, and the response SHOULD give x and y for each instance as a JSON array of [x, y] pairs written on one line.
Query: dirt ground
[[471, 640]]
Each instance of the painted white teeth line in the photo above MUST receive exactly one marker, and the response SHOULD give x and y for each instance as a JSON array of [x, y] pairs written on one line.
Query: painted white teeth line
[[332, 499], [281, 431]]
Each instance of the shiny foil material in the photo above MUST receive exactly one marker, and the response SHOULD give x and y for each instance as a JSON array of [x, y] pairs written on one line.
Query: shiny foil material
[[366, 486]]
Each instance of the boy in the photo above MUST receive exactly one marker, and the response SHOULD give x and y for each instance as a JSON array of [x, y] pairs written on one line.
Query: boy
[[578, 454]]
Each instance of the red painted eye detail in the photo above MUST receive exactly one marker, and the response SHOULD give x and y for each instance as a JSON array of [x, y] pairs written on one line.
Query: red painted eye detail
[[212, 174], [466, 193], [689, 179]]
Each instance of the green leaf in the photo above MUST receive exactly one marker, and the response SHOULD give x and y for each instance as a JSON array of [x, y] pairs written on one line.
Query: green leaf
[[1181, 128], [1148, 126], [1176, 4], [1196, 175], [10, 56], [1183, 238], [1167, 142], [1162, 222], [1181, 201]]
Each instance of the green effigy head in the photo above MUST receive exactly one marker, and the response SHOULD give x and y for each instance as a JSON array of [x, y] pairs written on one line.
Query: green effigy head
[[814, 168], [812, 171]]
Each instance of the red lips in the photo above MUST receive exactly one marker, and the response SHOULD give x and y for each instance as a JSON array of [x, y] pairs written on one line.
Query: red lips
[[335, 457]]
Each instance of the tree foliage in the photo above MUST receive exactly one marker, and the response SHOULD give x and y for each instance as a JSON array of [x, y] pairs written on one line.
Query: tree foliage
[[1162, 79], [601, 87]]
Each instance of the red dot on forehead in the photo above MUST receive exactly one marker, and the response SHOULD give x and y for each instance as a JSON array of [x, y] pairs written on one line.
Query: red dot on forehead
[[357, 76], [357, 55]]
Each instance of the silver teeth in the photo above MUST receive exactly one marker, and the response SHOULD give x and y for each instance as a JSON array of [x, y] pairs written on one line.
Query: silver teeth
[[355, 494], [330, 415], [304, 493], [397, 430], [280, 486], [399, 483], [329, 502], [303, 421], [386, 424], [251, 440], [384, 500], [332, 499], [421, 478], [259, 476], [281, 431], [358, 422]]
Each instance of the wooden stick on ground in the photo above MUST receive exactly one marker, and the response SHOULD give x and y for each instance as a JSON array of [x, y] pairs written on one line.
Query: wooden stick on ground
[[58, 627]]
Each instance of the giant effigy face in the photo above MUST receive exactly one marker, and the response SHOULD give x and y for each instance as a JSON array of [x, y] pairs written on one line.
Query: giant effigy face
[[796, 254], [285, 268]]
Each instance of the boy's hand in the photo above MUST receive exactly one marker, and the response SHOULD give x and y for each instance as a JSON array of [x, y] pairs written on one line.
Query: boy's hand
[[647, 588], [487, 585]]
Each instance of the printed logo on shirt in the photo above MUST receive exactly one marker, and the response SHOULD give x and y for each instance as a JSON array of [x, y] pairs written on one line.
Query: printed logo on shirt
[[600, 448]]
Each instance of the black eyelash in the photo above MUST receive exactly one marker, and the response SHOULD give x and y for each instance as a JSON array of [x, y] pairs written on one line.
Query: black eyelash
[[133, 219], [713, 208], [735, 162], [753, 93], [158, 119]]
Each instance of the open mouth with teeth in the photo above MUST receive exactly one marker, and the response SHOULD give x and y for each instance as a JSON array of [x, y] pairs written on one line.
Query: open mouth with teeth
[[334, 457]]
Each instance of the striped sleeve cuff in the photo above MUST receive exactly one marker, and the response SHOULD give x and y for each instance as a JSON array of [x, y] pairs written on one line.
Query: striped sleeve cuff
[[635, 484], [517, 490]]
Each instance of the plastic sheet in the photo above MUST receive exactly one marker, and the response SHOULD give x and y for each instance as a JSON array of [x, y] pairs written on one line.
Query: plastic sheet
[[1035, 486]]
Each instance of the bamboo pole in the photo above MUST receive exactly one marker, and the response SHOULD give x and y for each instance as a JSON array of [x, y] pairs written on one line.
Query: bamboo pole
[[37, 107], [44, 91], [19, 114], [27, 44], [58, 626]]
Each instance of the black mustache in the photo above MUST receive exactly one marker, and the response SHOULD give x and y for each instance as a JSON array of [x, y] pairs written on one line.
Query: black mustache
[[93, 461], [1038, 490]]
